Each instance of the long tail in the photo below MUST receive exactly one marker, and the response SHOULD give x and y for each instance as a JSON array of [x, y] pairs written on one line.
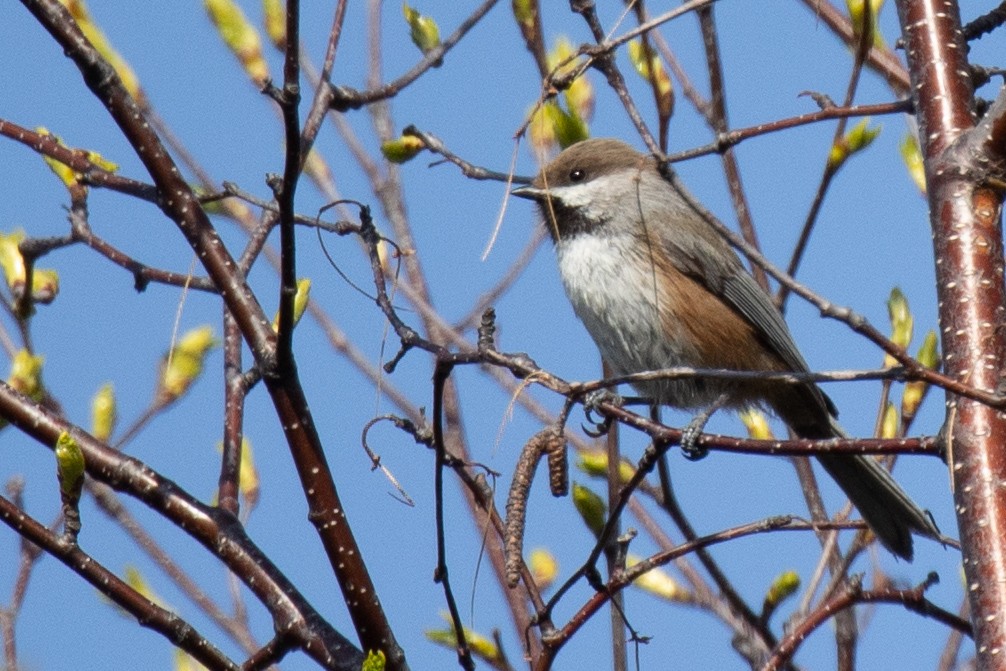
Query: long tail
[[884, 505]]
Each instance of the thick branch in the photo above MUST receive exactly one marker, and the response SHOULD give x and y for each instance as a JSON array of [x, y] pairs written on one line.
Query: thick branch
[[147, 613], [216, 530], [180, 204], [967, 240]]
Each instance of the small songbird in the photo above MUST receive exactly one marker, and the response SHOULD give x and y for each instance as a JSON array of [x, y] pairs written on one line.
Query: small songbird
[[657, 287]]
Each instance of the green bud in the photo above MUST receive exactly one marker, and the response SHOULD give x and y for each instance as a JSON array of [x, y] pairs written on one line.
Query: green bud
[[591, 507], [480, 645], [184, 363], [928, 354], [553, 125], [651, 68], [12, 262], [901, 317], [912, 157], [784, 586], [911, 398], [375, 661], [544, 567], [889, 423], [403, 148], [857, 139], [103, 412], [659, 583], [274, 13], [423, 30], [26, 374], [902, 323], [69, 466], [240, 36], [756, 423], [595, 463]]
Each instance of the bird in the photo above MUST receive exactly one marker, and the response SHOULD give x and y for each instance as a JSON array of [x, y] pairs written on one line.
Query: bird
[[657, 287]]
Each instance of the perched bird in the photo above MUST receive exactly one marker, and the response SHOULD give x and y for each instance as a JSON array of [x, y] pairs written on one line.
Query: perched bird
[[657, 287]]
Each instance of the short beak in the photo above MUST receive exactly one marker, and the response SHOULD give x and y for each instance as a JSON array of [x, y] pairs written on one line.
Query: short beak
[[531, 193]]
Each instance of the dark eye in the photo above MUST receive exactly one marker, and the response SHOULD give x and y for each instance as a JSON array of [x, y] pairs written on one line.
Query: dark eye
[[577, 175]]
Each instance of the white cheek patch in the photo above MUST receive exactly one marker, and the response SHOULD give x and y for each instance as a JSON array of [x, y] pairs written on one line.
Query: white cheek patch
[[587, 196]]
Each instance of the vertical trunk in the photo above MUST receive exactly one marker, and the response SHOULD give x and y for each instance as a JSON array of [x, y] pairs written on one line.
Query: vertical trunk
[[967, 240]]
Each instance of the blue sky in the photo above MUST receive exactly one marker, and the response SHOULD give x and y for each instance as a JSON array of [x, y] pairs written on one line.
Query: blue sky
[[872, 235]]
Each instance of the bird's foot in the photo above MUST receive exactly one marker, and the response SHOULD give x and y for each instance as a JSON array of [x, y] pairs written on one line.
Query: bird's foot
[[690, 434], [690, 437], [590, 405]]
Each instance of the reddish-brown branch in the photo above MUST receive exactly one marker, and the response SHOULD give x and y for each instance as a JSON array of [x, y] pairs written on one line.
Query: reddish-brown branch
[[716, 116], [217, 531], [288, 99], [234, 404], [880, 59], [965, 217], [617, 583], [322, 88], [913, 599], [110, 504], [147, 613], [344, 98], [180, 204], [92, 174], [728, 139]]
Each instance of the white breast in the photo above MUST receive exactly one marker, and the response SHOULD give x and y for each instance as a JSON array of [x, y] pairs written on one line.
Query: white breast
[[612, 292]]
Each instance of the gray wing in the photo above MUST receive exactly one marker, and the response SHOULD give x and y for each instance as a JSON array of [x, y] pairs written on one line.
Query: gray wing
[[721, 271], [742, 292], [700, 252]]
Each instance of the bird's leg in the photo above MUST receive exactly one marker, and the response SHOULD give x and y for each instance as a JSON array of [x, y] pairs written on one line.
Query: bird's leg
[[599, 396], [590, 403], [690, 434], [595, 398]]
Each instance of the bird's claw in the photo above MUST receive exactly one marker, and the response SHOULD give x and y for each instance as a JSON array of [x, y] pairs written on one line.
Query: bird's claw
[[690, 434], [690, 438], [599, 396], [590, 404]]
